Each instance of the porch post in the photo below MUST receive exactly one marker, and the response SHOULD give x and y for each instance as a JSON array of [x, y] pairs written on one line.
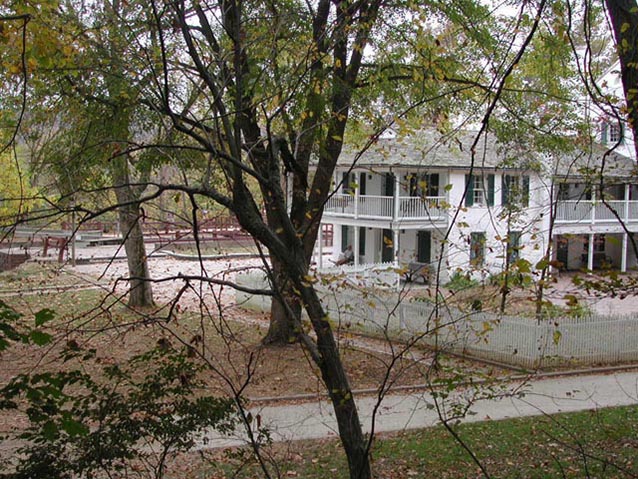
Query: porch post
[[623, 257], [626, 201], [320, 246], [356, 204], [356, 246], [397, 185], [395, 252], [395, 229], [590, 253], [593, 206]]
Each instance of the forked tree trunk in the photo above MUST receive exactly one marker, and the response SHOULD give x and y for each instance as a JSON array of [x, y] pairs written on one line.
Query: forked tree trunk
[[281, 329]]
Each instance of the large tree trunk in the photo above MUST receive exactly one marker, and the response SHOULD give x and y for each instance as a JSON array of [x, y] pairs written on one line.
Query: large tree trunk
[[624, 19], [140, 292], [130, 215], [285, 310], [338, 387]]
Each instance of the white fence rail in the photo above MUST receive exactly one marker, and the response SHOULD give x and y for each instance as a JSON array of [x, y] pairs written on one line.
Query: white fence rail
[[517, 341]]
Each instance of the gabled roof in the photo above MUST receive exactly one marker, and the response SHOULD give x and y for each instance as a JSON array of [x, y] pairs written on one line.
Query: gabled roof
[[430, 148], [599, 160]]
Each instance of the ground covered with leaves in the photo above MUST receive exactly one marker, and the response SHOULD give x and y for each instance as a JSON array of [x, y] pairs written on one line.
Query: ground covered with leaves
[[80, 329]]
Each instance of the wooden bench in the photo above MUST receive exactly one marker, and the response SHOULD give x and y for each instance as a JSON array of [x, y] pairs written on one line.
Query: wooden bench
[[59, 242]]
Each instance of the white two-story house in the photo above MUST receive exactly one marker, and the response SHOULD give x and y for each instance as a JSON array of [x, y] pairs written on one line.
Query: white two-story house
[[427, 200]]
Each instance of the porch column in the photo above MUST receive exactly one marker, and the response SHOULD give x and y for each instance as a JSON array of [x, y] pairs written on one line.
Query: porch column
[[395, 245], [397, 195], [395, 252], [590, 253], [356, 204], [626, 217], [356, 246], [320, 246], [593, 207], [623, 256]]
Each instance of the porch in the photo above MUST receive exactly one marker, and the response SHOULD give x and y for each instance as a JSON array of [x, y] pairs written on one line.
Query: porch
[[585, 212], [387, 208], [593, 252], [408, 252]]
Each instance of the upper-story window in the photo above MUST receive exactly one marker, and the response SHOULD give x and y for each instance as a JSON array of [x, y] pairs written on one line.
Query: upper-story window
[[615, 133], [611, 132], [480, 190], [348, 183], [515, 190], [424, 184]]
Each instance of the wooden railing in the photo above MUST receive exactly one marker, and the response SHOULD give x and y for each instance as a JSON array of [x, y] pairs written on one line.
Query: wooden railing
[[382, 207], [589, 213]]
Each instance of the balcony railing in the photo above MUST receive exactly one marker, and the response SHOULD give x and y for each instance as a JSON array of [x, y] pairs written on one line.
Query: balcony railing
[[589, 213], [383, 208]]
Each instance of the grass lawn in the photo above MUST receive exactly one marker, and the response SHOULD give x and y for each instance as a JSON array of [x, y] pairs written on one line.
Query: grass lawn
[[596, 444]]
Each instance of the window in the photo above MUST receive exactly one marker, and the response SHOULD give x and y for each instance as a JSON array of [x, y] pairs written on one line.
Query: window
[[513, 246], [515, 190], [477, 249], [615, 133], [480, 190], [424, 184], [348, 183], [611, 132], [563, 191], [599, 243]]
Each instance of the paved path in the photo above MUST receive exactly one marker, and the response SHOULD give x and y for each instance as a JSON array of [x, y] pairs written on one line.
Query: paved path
[[400, 412]]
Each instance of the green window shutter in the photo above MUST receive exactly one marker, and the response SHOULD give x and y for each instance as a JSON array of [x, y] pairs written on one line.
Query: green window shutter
[[469, 190], [362, 240], [424, 246], [344, 237], [362, 183], [525, 197], [513, 246], [505, 190], [490, 190], [433, 184], [603, 132]]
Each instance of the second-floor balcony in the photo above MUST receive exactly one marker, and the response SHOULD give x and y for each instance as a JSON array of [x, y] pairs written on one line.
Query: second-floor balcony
[[406, 208], [587, 212]]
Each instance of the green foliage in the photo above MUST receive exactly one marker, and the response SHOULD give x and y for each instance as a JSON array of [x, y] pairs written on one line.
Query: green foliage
[[460, 282], [85, 425], [12, 331], [8, 331], [514, 279]]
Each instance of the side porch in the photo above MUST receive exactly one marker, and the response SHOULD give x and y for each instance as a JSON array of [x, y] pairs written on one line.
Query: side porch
[[596, 251], [415, 249]]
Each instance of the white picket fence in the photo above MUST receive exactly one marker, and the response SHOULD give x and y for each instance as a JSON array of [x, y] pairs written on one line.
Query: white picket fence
[[517, 341]]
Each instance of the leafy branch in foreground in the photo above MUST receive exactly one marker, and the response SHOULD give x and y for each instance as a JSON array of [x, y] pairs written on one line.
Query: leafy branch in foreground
[[123, 418]]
